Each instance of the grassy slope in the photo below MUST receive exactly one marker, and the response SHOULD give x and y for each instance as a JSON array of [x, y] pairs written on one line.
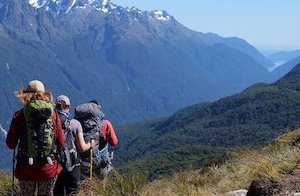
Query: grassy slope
[[173, 161], [278, 157]]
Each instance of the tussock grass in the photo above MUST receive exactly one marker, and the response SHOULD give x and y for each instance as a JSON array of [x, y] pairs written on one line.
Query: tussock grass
[[276, 158], [116, 184], [6, 184]]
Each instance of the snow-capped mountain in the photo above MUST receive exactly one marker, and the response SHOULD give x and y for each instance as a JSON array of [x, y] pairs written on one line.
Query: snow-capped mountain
[[61, 7], [156, 19], [139, 64], [65, 6]]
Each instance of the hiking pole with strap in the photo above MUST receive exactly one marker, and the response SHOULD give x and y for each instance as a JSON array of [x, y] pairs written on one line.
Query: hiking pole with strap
[[91, 159], [13, 174]]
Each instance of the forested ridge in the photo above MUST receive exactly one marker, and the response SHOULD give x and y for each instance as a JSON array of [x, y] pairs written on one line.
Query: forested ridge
[[253, 117]]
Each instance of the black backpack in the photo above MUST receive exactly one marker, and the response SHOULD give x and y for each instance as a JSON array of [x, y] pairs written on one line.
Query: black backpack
[[68, 155]]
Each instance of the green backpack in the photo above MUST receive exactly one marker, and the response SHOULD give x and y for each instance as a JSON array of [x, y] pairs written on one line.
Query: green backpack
[[37, 143]]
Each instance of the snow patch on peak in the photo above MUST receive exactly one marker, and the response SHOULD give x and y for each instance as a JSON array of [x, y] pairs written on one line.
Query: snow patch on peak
[[66, 6], [161, 15], [104, 2], [105, 6], [69, 8], [37, 3], [34, 3]]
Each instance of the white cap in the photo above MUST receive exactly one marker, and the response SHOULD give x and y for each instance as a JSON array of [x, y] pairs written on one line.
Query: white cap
[[63, 98], [35, 86]]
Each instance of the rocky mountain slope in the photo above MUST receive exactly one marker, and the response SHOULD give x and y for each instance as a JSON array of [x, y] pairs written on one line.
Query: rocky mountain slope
[[139, 64]]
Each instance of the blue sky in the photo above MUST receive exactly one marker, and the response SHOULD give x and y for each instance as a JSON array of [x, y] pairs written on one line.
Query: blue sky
[[266, 24]]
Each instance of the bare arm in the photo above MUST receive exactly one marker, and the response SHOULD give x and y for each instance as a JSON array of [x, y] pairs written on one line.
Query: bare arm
[[79, 140], [80, 143]]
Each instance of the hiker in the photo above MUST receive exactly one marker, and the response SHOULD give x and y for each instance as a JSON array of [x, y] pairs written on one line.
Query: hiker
[[68, 180], [96, 127], [37, 131]]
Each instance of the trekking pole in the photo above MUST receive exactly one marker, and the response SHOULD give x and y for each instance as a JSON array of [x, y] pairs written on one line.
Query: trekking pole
[[13, 174], [112, 153], [91, 159]]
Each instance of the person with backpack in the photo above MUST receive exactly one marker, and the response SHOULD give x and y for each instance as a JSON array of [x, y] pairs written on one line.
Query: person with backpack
[[94, 125], [68, 180], [37, 131]]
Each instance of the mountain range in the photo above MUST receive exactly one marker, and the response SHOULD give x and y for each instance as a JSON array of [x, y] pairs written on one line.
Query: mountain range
[[139, 64], [282, 58], [253, 117], [284, 55], [286, 67]]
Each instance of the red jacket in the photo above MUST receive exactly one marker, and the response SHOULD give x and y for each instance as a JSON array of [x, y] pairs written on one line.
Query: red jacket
[[35, 172], [109, 132]]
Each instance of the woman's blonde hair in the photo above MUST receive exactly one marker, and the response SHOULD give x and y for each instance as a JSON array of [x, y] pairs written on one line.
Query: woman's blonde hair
[[24, 96]]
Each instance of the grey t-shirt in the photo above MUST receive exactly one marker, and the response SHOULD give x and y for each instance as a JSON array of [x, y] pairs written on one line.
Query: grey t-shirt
[[75, 126]]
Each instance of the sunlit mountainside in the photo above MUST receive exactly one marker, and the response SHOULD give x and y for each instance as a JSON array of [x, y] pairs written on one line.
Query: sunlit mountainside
[[252, 117]]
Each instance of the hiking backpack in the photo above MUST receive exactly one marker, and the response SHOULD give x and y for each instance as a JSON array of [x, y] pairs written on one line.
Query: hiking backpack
[[90, 116], [68, 155], [37, 142]]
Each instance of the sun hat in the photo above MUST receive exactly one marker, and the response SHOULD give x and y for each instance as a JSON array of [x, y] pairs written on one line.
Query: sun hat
[[35, 86], [63, 98]]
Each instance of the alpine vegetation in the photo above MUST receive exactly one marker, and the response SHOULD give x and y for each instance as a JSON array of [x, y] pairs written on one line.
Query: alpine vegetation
[[274, 162]]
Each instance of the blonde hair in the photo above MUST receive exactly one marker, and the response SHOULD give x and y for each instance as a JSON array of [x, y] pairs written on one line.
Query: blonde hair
[[24, 96]]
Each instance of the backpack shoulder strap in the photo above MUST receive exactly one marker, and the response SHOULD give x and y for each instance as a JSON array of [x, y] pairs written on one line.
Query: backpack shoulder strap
[[106, 129], [55, 123]]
